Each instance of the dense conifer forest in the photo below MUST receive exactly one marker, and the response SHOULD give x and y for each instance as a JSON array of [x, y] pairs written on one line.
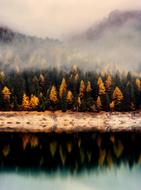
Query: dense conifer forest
[[74, 90]]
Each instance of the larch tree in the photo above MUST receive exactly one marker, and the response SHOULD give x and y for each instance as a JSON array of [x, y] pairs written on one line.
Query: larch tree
[[63, 88], [6, 97], [137, 93], [108, 82], [112, 106], [69, 97], [6, 93], [98, 103], [53, 94], [138, 84], [25, 102], [117, 97], [88, 88], [34, 101], [82, 88], [101, 87]]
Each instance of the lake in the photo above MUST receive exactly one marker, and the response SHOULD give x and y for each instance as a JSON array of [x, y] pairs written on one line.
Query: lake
[[83, 161]]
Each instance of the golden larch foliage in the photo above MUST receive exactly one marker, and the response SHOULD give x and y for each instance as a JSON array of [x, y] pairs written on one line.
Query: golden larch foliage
[[117, 95], [138, 84], [69, 97], [99, 81], [98, 103], [25, 102], [82, 88], [53, 94], [108, 82], [89, 88], [112, 106], [63, 87], [34, 101], [6, 93], [101, 87], [79, 101]]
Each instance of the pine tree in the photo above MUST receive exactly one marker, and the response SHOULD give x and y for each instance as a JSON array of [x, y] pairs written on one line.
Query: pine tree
[[53, 95], [98, 103], [25, 102], [63, 87], [34, 101], [82, 88]]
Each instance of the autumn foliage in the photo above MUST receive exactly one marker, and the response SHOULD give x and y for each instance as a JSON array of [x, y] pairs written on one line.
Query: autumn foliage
[[74, 90]]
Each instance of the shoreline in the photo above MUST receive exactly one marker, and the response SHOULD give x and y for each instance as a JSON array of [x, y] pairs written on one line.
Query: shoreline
[[70, 122]]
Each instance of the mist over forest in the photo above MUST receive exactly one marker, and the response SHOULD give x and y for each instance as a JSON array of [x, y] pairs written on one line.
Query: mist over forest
[[112, 44]]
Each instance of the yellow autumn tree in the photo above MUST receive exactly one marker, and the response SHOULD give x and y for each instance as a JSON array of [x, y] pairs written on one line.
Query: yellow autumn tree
[[25, 102], [79, 101], [53, 95], [69, 97], [34, 101], [117, 95], [99, 81], [82, 88], [98, 103], [88, 88], [6, 93], [138, 84], [63, 87], [112, 106], [108, 82], [101, 87]]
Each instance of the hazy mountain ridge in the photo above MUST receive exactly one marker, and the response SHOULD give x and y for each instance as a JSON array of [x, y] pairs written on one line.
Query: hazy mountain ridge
[[112, 44], [115, 20]]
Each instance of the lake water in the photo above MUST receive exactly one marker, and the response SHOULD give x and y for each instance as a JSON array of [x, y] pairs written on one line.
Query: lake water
[[70, 161], [117, 178]]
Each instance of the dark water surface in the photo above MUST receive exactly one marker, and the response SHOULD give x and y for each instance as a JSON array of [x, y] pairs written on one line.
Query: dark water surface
[[82, 161]]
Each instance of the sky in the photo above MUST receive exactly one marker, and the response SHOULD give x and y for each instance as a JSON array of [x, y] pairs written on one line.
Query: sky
[[58, 18]]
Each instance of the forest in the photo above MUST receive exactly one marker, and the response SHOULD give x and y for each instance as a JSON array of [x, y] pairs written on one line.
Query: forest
[[75, 90]]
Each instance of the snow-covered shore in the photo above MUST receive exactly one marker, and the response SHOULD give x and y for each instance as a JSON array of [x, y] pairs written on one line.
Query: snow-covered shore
[[69, 121]]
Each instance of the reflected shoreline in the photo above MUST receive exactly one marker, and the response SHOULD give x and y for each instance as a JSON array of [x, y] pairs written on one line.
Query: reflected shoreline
[[69, 152]]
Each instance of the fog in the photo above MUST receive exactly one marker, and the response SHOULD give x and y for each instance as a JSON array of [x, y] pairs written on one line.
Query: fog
[[114, 48], [58, 18]]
